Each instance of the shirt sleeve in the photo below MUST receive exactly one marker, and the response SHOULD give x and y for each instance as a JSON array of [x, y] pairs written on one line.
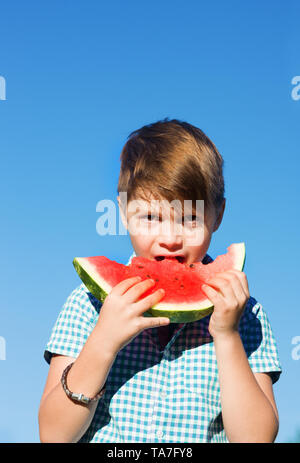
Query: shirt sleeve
[[259, 341], [74, 324]]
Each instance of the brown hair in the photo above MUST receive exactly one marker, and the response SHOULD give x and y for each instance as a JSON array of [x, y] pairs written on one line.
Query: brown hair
[[172, 159]]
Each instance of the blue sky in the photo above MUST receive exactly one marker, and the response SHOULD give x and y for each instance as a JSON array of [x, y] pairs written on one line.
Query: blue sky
[[80, 76]]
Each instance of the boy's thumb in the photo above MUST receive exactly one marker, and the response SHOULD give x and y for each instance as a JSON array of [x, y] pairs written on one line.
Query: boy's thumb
[[159, 321]]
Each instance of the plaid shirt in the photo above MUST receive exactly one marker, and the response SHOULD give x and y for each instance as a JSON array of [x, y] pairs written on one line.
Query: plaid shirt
[[169, 395]]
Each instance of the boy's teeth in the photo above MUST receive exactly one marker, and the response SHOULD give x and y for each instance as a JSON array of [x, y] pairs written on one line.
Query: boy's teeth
[[178, 258]]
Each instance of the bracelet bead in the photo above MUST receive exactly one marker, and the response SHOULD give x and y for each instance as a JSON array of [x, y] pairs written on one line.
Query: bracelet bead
[[78, 397]]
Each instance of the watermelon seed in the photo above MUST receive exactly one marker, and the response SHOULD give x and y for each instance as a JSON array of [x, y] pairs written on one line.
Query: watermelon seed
[[156, 279], [192, 265], [140, 266], [176, 278]]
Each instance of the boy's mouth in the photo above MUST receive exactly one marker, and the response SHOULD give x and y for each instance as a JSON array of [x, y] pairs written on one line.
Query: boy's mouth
[[180, 259]]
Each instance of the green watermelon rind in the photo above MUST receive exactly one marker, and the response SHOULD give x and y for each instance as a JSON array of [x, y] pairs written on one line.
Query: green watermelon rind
[[177, 313], [88, 281], [240, 257]]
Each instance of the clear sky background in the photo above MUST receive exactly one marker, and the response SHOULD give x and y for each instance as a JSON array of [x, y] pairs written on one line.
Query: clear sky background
[[80, 76]]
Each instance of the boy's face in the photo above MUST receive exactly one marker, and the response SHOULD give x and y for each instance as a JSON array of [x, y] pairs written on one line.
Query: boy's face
[[157, 230]]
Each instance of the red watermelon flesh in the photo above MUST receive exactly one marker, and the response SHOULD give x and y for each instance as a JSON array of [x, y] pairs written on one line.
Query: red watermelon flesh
[[183, 301]]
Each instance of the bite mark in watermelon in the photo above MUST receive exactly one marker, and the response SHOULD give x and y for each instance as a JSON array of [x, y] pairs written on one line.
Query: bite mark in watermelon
[[184, 301]]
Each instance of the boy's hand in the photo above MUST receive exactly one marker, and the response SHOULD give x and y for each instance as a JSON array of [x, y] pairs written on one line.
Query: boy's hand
[[229, 293], [121, 317]]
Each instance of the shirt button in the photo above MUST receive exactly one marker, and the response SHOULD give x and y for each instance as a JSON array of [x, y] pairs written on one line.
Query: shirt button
[[159, 433]]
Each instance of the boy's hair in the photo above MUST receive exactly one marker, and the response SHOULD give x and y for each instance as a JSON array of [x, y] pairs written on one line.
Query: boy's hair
[[172, 159]]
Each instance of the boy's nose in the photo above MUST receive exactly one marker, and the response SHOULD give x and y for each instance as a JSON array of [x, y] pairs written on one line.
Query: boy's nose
[[171, 241]]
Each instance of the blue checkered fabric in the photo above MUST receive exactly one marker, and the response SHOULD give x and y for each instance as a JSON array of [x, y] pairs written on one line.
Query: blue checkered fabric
[[169, 395]]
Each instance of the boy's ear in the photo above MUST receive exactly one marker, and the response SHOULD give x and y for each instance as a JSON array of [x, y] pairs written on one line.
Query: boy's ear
[[220, 216], [124, 221]]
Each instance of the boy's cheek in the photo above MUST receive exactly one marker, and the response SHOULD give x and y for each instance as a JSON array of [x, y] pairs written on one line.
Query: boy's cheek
[[141, 244]]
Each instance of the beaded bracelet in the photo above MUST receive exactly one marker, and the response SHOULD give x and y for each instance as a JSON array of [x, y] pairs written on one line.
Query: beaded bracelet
[[79, 398]]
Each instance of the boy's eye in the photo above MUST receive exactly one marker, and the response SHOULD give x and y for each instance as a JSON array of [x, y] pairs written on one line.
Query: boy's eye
[[150, 217], [190, 218], [192, 221]]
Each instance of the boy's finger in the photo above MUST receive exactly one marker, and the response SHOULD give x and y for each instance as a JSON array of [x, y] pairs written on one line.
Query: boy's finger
[[235, 283], [137, 290], [243, 279], [124, 285], [153, 322], [149, 301], [223, 286], [213, 295]]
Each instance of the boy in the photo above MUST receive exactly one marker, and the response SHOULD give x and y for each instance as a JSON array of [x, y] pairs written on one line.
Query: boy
[[152, 381]]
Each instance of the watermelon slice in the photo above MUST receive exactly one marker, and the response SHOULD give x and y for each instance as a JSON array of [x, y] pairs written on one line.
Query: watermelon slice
[[184, 301]]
